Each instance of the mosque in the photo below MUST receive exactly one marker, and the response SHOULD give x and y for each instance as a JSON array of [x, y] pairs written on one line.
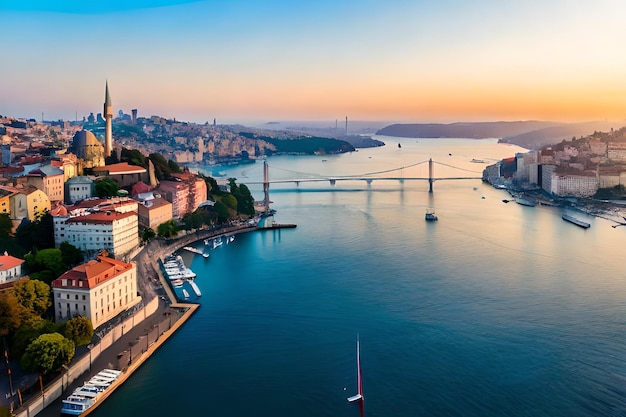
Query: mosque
[[90, 152]]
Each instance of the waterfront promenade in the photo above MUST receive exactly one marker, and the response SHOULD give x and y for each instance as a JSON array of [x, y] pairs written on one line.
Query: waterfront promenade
[[140, 341]]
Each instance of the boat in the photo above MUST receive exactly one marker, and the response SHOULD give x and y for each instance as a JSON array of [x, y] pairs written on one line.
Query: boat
[[230, 238], [217, 242], [576, 221], [359, 385], [85, 396], [478, 161], [185, 293], [195, 288], [206, 255], [177, 283], [430, 215], [525, 202]]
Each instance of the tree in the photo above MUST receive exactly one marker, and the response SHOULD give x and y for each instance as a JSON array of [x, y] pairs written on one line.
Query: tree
[[36, 234], [79, 330], [33, 295], [167, 229], [70, 254], [10, 313], [46, 265], [222, 211], [6, 226], [47, 353], [147, 234], [106, 188], [245, 202]]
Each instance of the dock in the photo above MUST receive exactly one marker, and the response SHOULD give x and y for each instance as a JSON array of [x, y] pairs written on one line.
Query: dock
[[278, 226], [194, 250]]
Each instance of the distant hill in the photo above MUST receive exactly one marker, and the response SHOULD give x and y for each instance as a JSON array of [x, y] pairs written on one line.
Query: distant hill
[[476, 130], [527, 134], [536, 139]]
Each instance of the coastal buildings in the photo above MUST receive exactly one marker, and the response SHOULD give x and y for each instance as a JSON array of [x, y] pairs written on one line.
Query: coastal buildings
[[99, 290], [109, 230], [10, 268], [185, 191], [153, 210]]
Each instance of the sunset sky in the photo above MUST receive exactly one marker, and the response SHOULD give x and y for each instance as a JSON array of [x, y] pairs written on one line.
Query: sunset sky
[[262, 60]]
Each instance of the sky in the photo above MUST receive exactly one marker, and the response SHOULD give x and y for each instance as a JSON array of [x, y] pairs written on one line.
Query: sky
[[243, 61]]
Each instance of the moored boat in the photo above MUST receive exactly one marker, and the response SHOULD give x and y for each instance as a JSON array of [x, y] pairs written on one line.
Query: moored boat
[[85, 396], [576, 221]]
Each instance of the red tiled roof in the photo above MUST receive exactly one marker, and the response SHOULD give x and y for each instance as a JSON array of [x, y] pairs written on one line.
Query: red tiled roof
[[104, 217], [8, 262], [121, 168], [92, 273]]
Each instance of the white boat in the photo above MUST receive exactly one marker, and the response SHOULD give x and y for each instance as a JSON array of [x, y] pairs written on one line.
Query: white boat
[[230, 239], [359, 384], [195, 288], [177, 283], [185, 293], [217, 242], [87, 395]]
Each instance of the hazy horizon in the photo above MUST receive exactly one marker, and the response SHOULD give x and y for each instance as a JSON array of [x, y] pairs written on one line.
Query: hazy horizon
[[254, 62]]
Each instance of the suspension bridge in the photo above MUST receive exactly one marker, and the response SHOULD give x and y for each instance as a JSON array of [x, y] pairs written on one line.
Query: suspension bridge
[[392, 174]]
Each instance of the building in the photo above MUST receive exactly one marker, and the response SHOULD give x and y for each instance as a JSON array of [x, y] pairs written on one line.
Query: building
[[50, 180], [5, 199], [185, 191], [153, 210], [122, 173], [88, 150], [10, 268], [99, 290], [108, 117], [573, 183], [79, 188], [68, 163], [115, 232], [26, 201]]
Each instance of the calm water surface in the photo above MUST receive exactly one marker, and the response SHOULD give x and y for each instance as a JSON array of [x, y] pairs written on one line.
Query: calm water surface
[[495, 310]]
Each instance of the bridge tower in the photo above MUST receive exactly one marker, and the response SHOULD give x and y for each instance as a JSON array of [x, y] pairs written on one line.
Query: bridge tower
[[266, 187], [430, 175]]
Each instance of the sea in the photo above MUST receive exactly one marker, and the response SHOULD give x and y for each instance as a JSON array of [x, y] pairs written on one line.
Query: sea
[[496, 309]]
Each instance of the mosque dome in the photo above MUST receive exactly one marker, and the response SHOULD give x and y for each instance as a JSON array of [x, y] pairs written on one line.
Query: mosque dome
[[86, 147]]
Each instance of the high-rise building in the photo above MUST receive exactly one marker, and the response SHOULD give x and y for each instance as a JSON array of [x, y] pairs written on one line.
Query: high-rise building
[[108, 117]]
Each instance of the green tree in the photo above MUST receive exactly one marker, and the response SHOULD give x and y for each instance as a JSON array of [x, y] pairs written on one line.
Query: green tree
[[31, 328], [79, 330], [46, 265], [147, 234], [106, 188], [245, 202], [6, 226], [193, 220], [33, 295], [10, 313], [230, 201], [36, 234], [222, 212], [167, 229], [70, 254], [47, 353]]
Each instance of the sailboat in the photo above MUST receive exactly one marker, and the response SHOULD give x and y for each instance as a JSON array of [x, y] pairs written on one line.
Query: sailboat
[[359, 384]]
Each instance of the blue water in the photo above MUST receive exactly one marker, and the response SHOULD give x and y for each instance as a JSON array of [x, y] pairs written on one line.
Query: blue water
[[495, 310]]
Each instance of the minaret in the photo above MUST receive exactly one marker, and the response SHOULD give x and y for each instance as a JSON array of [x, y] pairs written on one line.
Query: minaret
[[108, 118]]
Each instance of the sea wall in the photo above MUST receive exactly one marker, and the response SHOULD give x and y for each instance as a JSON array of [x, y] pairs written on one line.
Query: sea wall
[[57, 387]]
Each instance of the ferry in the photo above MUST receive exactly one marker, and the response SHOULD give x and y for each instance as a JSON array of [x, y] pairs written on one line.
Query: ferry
[[84, 397], [576, 221]]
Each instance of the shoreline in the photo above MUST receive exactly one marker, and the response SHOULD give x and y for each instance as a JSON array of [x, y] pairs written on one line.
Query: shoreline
[[153, 282]]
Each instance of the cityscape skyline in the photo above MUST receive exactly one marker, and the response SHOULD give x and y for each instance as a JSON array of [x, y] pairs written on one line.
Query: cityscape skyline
[[250, 61]]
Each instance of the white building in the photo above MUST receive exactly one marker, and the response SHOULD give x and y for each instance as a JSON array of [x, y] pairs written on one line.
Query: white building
[[574, 183], [10, 268], [117, 233], [79, 188], [99, 290]]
